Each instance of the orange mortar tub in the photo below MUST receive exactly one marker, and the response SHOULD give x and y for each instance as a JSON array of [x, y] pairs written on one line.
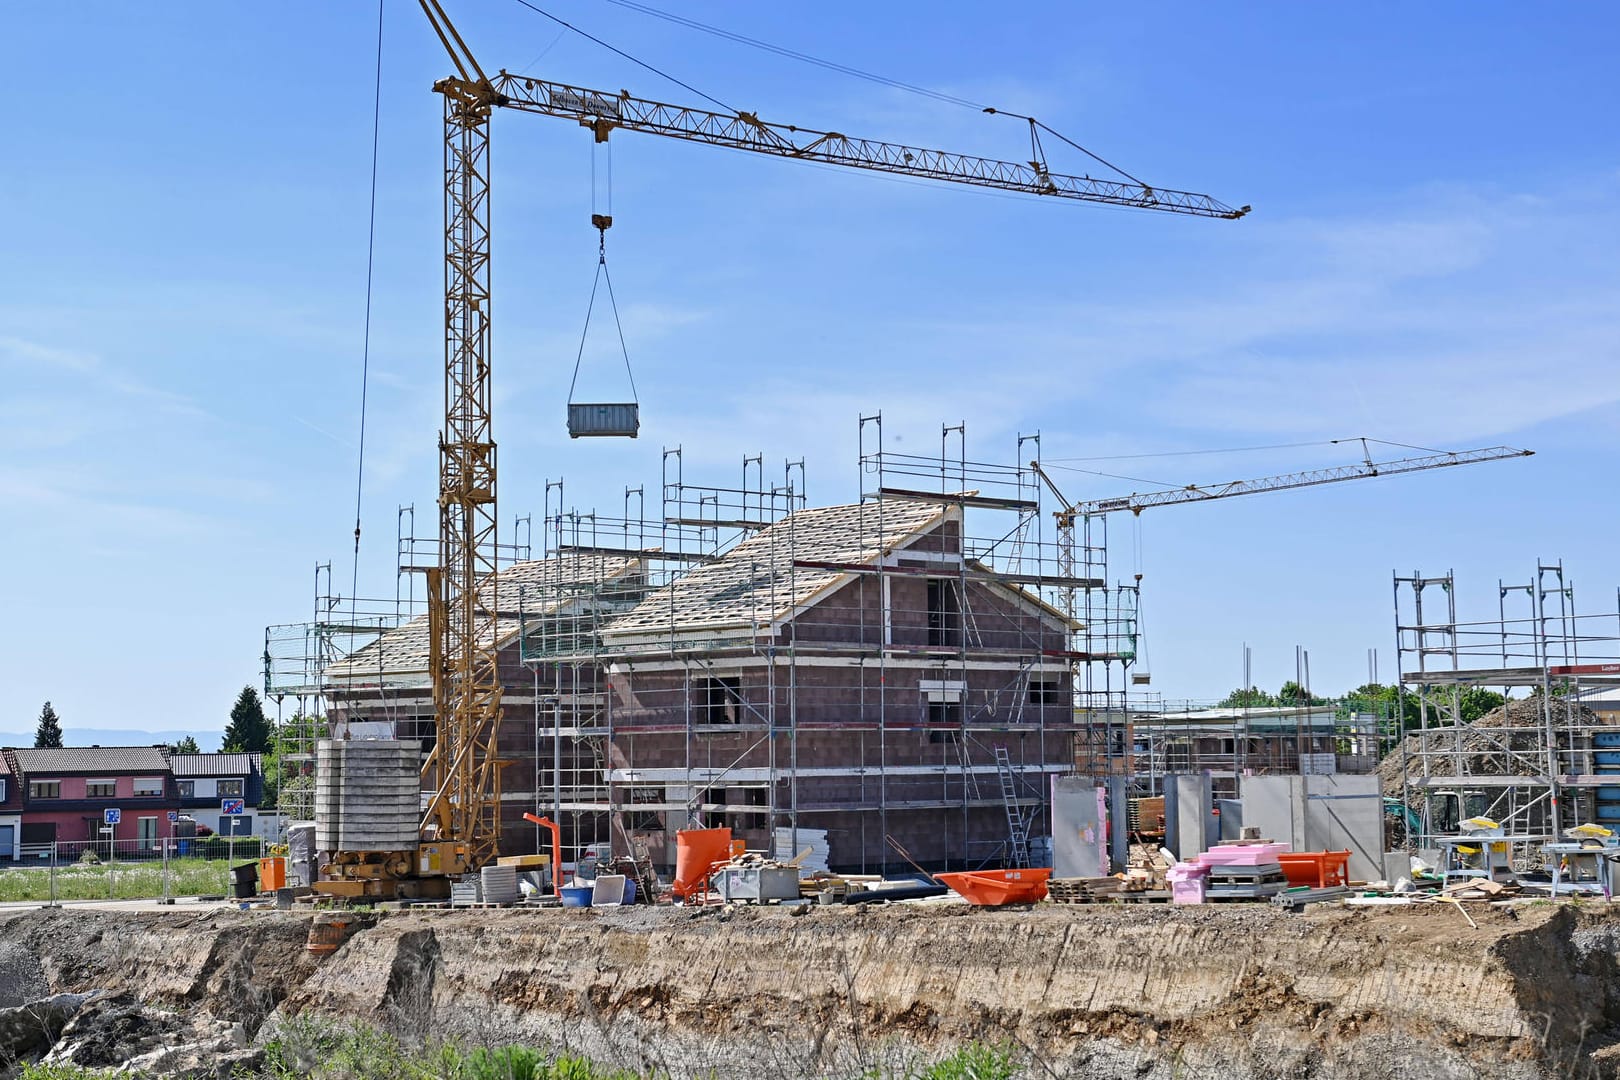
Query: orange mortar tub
[[1316, 869], [993, 888]]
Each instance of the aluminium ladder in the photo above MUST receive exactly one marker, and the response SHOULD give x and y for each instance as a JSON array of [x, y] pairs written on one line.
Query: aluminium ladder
[[1017, 828]]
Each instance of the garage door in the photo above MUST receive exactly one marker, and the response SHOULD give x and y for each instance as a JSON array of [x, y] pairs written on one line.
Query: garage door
[[8, 841]]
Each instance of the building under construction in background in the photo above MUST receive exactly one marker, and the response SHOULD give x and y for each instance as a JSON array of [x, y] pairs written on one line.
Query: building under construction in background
[[898, 677], [1549, 759]]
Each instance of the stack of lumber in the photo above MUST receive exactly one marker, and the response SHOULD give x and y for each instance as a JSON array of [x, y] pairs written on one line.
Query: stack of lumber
[[1480, 889], [815, 840]]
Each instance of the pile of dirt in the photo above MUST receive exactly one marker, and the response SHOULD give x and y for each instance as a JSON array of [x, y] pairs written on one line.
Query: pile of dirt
[[1504, 742]]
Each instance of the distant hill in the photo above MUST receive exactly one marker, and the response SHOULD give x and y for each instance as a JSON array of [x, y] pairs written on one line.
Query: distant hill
[[207, 741]]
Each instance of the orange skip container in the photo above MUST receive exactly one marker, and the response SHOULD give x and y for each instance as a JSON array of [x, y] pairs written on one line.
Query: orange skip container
[[992, 888], [1317, 869]]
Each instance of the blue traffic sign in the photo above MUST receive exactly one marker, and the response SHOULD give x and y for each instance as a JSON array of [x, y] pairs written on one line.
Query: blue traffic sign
[[174, 815], [111, 816], [232, 806]]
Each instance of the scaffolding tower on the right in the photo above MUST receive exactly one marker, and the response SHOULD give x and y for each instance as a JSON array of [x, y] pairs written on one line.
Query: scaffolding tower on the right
[[1543, 761]]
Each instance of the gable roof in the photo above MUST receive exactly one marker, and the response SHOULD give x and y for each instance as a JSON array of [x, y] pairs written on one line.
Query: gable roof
[[756, 582], [227, 764], [526, 589], [91, 759]]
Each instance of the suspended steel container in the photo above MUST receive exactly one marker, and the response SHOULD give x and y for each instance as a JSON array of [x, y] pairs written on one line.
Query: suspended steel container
[[614, 419]]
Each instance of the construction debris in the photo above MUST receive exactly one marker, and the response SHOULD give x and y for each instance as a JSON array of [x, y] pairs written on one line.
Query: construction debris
[[1487, 746]]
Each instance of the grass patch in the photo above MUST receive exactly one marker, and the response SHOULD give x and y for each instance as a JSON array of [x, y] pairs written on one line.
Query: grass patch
[[322, 1050], [117, 881], [325, 1050], [62, 1072]]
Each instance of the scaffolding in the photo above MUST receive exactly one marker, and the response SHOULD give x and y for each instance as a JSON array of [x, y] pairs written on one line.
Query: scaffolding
[[1537, 766], [1321, 737], [311, 668], [908, 670], [925, 654]]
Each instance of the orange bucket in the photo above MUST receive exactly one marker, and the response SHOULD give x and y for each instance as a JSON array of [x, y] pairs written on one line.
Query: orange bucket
[[326, 933], [696, 853], [993, 888]]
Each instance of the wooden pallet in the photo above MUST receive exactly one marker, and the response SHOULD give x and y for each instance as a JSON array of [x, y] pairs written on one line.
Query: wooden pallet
[[1081, 890], [1145, 896]]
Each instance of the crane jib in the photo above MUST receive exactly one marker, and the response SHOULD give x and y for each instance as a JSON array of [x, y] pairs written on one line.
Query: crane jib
[[603, 110]]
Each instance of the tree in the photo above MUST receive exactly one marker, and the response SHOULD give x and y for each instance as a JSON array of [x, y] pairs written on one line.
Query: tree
[[187, 745], [1475, 702], [294, 777], [48, 735], [1293, 695], [1252, 698], [249, 729]]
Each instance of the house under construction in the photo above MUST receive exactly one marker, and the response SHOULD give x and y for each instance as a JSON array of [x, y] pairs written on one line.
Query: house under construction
[[899, 676], [1541, 764]]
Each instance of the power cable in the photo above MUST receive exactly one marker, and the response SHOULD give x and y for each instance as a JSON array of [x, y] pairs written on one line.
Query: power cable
[[794, 54], [620, 52], [1196, 453], [365, 351]]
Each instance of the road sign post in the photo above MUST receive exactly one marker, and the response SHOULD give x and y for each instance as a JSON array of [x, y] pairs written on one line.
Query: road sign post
[[231, 808]]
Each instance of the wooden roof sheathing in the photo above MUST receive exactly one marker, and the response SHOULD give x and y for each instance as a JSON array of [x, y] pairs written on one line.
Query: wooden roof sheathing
[[544, 586], [756, 583]]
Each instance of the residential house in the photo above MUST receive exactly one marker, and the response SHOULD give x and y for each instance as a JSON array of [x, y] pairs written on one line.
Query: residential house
[[10, 808], [848, 669], [68, 791], [221, 791]]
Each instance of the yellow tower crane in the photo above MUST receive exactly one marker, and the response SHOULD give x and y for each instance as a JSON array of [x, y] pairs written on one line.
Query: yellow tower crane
[[462, 823]]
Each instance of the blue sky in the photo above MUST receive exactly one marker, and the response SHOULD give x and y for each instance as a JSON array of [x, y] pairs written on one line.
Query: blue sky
[[182, 275]]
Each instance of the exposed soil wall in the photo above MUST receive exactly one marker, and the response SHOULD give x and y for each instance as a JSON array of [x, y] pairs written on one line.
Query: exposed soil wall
[[1227, 992]]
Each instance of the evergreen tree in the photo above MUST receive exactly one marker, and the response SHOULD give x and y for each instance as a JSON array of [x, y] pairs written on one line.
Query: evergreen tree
[[249, 729], [49, 732]]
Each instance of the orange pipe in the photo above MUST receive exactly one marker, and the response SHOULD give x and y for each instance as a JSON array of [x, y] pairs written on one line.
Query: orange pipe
[[556, 849]]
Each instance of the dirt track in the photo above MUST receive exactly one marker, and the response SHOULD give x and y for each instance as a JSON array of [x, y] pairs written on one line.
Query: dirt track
[[1217, 992]]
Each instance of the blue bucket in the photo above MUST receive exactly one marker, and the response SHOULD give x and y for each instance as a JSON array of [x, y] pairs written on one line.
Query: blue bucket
[[576, 895], [629, 890]]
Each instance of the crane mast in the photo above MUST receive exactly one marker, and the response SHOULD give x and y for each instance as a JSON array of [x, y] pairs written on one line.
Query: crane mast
[[461, 824]]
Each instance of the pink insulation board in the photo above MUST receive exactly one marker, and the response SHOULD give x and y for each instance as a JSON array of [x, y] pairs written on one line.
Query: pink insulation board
[[1242, 854]]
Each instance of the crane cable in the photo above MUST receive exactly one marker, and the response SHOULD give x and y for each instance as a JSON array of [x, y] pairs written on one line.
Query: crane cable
[[365, 351], [602, 223]]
